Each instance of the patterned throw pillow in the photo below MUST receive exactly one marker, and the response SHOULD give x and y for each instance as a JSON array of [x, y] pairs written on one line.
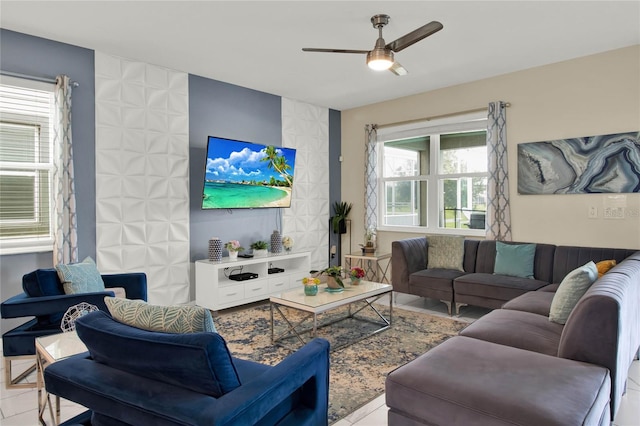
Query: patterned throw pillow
[[168, 319], [445, 251], [571, 289], [80, 277]]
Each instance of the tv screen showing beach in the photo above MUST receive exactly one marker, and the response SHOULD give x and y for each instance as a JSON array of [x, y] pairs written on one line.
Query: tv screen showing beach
[[247, 175]]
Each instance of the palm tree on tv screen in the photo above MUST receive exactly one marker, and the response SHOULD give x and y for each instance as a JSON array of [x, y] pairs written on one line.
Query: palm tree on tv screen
[[278, 163]]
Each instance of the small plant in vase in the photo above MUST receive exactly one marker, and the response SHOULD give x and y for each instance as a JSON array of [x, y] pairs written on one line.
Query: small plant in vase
[[334, 278], [310, 285], [233, 246], [259, 248], [356, 275], [287, 243], [369, 241]]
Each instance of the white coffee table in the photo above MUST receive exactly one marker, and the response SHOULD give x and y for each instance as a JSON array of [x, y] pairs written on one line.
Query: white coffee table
[[50, 349], [367, 292]]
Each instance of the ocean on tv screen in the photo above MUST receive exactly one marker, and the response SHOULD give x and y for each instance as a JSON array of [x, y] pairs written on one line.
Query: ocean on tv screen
[[225, 195]]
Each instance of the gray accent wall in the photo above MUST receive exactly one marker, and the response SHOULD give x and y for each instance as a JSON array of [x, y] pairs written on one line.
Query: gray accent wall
[[335, 170], [232, 112]]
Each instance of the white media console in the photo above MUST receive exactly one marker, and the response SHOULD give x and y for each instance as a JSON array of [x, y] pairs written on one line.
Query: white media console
[[215, 290]]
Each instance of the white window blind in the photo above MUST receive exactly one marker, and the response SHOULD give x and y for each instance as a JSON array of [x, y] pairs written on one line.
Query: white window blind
[[26, 167]]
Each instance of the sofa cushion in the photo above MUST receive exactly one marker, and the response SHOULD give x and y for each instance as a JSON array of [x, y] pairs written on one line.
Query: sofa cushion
[[445, 251], [518, 329], [568, 258], [571, 289], [543, 262], [80, 277], [197, 361], [42, 282], [466, 381], [514, 260], [536, 302], [169, 319], [499, 287]]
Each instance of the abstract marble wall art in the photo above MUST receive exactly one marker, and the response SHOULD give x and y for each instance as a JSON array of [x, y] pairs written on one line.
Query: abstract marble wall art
[[592, 164]]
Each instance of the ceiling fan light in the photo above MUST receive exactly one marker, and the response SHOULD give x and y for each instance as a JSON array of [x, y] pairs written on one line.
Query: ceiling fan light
[[380, 59]]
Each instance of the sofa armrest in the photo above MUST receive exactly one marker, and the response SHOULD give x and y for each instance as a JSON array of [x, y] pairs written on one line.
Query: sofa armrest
[[24, 306], [306, 370], [134, 284], [138, 400], [407, 256]]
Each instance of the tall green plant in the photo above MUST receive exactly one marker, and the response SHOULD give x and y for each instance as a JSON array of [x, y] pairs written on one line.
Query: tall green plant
[[340, 212]]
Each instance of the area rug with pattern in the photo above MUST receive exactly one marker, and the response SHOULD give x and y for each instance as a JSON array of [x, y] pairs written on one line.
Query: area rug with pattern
[[358, 371]]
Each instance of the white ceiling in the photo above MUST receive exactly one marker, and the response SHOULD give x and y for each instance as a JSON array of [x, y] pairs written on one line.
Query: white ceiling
[[258, 44]]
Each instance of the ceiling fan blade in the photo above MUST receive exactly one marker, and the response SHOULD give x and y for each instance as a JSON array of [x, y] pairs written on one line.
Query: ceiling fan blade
[[398, 69], [311, 49], [414, 36]]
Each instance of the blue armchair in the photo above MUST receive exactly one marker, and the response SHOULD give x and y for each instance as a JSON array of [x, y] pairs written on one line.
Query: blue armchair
[[44, 299], [138, 377]]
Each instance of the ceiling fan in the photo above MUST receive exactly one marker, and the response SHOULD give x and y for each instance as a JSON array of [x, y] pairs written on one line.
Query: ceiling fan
[[381, 57]]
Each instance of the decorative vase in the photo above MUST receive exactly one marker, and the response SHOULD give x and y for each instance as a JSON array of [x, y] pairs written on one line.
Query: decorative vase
[[355, 281], [215, 249], [233, 255], [332, 283], [310, 289], [276, 242]]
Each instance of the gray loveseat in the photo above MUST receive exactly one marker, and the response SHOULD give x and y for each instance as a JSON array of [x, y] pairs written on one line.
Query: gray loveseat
[[477, 285], [514, 366]]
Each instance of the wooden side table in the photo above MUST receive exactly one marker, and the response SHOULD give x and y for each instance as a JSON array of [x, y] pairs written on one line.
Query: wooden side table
[[376, 265], [50, 349]]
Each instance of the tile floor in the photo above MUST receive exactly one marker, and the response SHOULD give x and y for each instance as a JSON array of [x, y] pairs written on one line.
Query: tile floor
[[19, 407]]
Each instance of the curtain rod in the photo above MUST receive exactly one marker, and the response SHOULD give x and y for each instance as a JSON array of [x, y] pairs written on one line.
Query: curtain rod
[[435, 117], [35, 78]]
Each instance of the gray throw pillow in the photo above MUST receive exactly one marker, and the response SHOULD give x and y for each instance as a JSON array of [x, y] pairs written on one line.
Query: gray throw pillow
[[571, 289], [445, 251]]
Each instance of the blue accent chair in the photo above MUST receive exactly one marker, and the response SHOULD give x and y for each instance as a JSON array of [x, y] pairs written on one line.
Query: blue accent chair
[[137, 377], [43, 297]]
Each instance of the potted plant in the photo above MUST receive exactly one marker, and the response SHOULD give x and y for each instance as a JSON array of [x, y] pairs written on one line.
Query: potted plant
[[356, 275], [369, 240], [287, 243], [310, 285], [234, 247], [334, 277], [259, 248], [340, 212]]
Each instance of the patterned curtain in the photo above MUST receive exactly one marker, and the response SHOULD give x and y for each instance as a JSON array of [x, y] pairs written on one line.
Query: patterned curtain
[[65, 246], [371, 176], [498, 212]]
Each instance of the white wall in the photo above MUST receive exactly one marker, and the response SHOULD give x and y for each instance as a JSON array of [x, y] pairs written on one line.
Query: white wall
[[305, 127], [142, 174], [593, 95]]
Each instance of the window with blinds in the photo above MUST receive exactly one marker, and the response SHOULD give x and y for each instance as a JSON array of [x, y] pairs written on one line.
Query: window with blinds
[[26, 165]]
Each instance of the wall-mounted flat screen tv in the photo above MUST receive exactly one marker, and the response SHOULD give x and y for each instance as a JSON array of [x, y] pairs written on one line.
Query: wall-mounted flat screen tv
[[242, 175]]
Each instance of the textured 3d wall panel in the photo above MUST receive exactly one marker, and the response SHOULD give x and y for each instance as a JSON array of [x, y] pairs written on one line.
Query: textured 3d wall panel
[[142, 174], [305, 127]]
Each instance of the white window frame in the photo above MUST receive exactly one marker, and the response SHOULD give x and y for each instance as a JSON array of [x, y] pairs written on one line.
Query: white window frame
[[433, 128], [37, 243]]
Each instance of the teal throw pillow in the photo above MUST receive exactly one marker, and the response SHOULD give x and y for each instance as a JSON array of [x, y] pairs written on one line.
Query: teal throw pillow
[[168, 319], [571, 289], [515, 260], [80, 277], [445, 251]]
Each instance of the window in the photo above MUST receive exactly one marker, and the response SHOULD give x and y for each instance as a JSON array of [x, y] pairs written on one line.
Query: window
[[26, 168], [433, 175]]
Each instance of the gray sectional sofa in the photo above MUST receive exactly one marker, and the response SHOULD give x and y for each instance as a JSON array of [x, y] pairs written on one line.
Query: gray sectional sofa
[[477, 285], [515, 366]]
